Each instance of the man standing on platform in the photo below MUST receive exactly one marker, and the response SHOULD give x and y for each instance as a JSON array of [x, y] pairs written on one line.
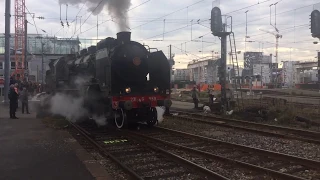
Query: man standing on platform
[[13, 97], [16, 89], [24, 100]]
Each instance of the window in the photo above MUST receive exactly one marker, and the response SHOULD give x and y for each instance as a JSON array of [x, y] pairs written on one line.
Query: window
[[13, 65], [1, 65]]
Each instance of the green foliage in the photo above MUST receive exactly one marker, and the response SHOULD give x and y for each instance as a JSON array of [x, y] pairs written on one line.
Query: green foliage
[[204, 95], [287, 116]]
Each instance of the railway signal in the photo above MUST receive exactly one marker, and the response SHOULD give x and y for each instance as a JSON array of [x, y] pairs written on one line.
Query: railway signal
[[315, 23], [216, 21], [219, 29]]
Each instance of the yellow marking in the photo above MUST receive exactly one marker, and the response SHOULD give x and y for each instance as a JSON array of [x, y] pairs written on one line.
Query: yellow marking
[[115, 141], [219, 122]]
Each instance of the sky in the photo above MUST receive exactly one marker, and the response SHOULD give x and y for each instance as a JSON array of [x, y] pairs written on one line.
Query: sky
[[183, 24]]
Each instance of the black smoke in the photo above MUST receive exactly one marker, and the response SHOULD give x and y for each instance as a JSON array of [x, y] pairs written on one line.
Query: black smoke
[[117, 9]]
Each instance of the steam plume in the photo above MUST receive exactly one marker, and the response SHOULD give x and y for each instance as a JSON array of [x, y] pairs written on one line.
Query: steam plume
[[117, 9], [71, 107], [66, 106], [160, 113]]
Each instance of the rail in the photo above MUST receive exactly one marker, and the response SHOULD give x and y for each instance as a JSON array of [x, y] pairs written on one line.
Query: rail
[[137, 151], [218, 157], [272, 130]]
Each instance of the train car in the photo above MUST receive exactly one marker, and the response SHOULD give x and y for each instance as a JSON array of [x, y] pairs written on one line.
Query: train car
[[124, 80]]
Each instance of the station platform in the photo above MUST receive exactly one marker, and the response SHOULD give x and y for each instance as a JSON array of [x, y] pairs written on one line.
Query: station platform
[[29, 150]]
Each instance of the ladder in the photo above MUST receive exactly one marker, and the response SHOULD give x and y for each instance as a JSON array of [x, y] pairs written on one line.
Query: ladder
[[235, 65]]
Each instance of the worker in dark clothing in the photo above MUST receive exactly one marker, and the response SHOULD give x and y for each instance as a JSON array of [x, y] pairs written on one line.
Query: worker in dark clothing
[[24, 100], [13, 97], [16, 89], [12, 81], [195, 97]]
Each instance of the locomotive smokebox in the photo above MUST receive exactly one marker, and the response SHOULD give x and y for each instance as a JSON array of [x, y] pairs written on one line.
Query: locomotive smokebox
[[124, 37]]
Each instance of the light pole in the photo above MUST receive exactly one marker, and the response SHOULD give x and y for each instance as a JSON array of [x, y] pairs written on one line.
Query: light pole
[[42, 59], [202, 44], [7, 50], [245, 43], [191, 28], [212, 54], [261, 77]]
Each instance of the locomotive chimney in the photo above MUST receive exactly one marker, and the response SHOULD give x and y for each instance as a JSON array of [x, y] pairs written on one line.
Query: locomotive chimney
[[124, 37]]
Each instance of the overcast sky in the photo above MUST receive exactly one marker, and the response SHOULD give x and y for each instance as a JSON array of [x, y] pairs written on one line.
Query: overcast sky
[[149, 19]]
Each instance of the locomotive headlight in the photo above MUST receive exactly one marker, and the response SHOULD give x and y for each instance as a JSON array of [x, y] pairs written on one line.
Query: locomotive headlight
[[128, 90], [156, 89]]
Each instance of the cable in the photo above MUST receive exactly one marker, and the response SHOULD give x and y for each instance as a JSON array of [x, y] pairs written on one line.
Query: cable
[[71, 21], [169, 31], [250, 21], [87, 18], [272, 15], [186, 52], [248, 7], [81, 8], [169, 14], [300, 26], [33, 20], [138, 5], [276, 14], [95, 26], [111, 18]]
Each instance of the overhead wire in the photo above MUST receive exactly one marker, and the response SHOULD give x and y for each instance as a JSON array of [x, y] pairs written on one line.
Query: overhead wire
[[71, 21], [113, 17], [169, 14], [266, 16], [32, 20], [87, 18]]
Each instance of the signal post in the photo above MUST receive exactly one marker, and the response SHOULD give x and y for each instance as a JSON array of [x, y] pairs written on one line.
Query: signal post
[[218, 29], [315, 32]]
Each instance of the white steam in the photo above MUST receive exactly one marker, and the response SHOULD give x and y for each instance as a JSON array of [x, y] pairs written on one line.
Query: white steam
[[69, 107], [117, 9], [160, 113], [100, 120]]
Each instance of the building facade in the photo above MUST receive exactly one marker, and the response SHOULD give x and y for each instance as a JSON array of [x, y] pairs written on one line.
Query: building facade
[[204, 72], [306, 72], [262, 73], [252, 58], [289, 73], [181, 75], [51, 45]]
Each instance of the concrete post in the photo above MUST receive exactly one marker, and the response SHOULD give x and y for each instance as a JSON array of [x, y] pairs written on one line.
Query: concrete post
[[7, 51]]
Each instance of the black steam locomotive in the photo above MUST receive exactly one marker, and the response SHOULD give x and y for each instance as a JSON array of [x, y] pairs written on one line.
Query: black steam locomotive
[[121, 79]]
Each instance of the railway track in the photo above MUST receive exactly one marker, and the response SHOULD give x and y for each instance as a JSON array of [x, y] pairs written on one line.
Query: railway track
[[142, 160], [265, 129], [229, 159]]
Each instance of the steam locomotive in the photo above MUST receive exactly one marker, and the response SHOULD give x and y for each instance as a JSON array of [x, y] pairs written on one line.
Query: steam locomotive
[[122, 80]]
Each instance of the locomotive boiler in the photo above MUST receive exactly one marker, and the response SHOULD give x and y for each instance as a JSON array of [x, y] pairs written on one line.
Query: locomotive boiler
[[121, 80]]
